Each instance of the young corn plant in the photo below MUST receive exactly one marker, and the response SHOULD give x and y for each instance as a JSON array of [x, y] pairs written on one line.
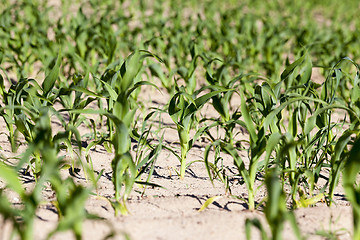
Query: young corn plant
[[295, 100], [182, 110], [24, 100], [21, 114], [262, 118], [221, 102], [336, 95], [76, 96], [276, 212], [166, 81], [257, 144], [228, 121], [71, 215], [302, 154], [47, 146], [8, 114], [350, 103], [119, 86], [146, 151], [30, 201]]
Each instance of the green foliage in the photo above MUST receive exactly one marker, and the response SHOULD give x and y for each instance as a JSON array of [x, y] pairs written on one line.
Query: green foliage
[[182, 109], [275, 210], [46, 146], [351, 171], [283, 62]]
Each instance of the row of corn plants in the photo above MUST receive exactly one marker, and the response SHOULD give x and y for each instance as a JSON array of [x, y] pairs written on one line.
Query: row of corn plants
[[86, 67]]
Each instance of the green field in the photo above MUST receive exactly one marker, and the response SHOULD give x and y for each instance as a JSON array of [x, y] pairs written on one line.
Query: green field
[[280, 78]]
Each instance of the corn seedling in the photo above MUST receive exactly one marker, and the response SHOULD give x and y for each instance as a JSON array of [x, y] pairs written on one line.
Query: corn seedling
[[275, 210], [47, 147], [182, 109]]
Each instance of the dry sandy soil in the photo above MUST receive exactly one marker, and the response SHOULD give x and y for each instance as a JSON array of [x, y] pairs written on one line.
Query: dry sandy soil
[[171, 212]]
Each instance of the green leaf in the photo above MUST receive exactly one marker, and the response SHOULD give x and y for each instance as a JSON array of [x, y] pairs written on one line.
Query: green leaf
[[86, 91], [129, 70], [139, 84], [307, 72], [247, 118], [50, 79], [311, 121], [271, 143], [156, 70], [289, 69], [269, 118], [200, 101], [10, 176], [173, 108], [121, 138], [111, 91]]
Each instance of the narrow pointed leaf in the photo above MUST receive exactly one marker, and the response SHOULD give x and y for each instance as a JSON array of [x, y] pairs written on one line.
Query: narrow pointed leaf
[[50, 79], [208, 202]]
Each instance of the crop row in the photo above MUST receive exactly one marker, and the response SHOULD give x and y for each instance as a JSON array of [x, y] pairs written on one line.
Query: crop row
[[86, 67]]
